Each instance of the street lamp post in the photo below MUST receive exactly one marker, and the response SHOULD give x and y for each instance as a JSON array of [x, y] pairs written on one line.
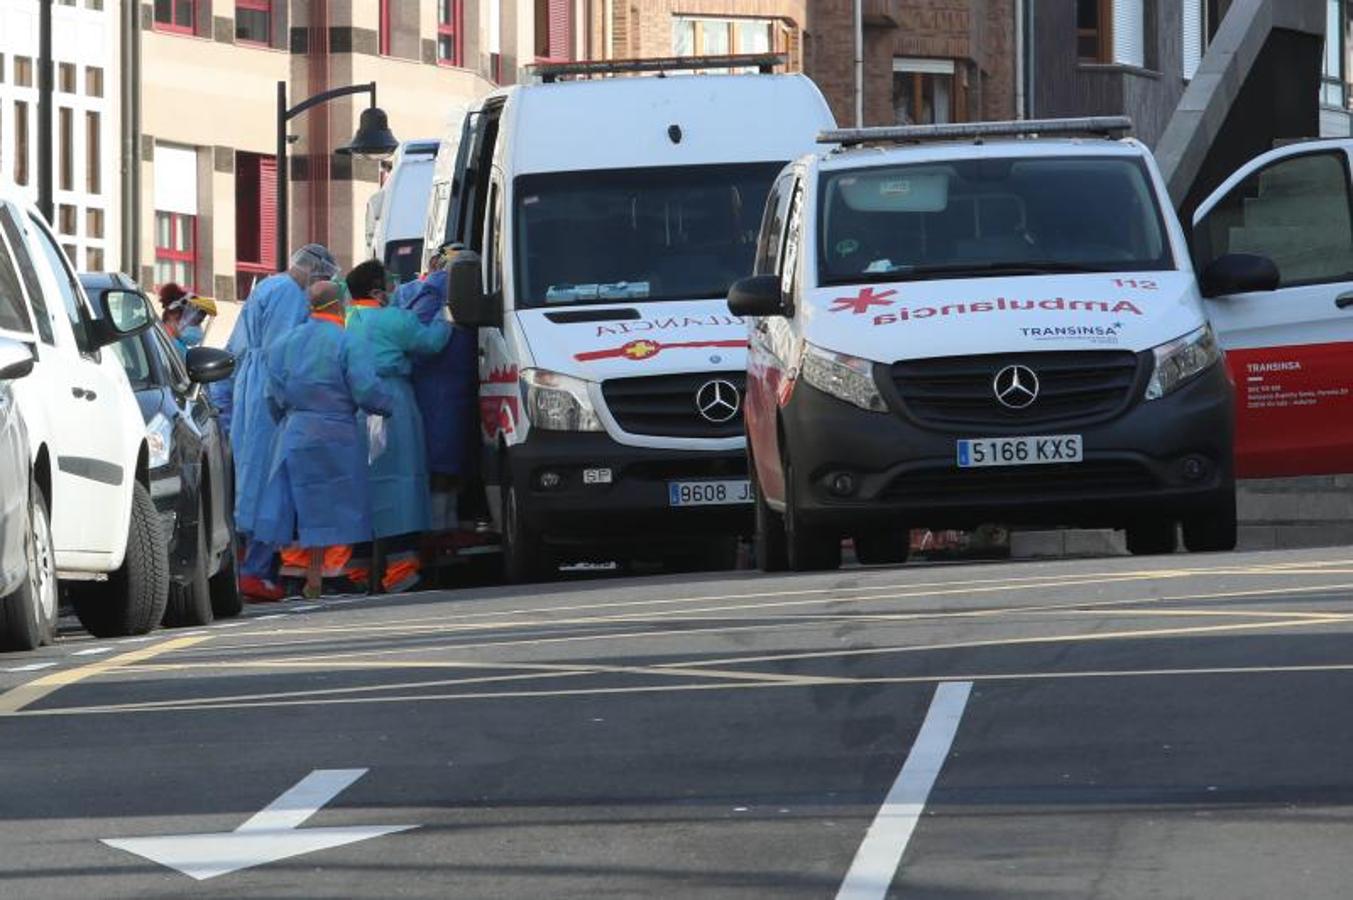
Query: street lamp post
[[373, 139]]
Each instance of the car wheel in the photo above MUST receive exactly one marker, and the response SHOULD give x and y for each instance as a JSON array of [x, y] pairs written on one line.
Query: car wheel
[[1152, 537], [883, 548], [768, 543], [808, 549], [525, 557], [190, 602], [1213, 531], [134, 598], [28, 615], [224, 587]]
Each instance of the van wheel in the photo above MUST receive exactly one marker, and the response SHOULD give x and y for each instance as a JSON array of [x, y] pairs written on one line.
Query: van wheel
[[1151, 538], [224, 587], [808, 549], [190, 602], [768, 543], [526, 559], [1213, 531], [883, 548], [134, 598], [28, 615]]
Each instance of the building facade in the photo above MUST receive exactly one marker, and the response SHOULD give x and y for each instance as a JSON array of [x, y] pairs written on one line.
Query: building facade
[[86, 132]]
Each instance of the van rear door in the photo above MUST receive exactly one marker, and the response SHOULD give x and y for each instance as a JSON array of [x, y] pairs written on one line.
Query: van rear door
[[1290, 351]]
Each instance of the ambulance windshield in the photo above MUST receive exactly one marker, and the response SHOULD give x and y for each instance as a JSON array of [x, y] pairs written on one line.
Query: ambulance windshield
[[635, 235]]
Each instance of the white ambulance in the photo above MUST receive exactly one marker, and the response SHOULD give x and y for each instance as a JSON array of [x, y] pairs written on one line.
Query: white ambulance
[[611, 215], [951, 325], [396, 214]]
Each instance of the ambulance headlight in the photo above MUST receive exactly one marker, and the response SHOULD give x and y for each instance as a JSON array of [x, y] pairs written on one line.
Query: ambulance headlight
[[844, 377], [557, 402], [1179, 361]]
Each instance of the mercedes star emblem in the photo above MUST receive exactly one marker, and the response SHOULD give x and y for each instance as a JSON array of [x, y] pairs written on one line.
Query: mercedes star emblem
[[718, 401], [1016, 387]]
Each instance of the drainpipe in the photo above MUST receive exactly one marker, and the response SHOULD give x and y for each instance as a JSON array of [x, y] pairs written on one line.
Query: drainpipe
[[130, 91], [45, 149], [859, 63], [1019, 59]]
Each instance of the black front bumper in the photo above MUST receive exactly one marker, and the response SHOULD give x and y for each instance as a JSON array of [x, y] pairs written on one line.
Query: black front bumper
[[1163, 458], [634, 507]]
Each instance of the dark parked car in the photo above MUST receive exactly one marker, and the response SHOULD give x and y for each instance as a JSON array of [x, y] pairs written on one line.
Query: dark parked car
[[28, 594], [191, 470]]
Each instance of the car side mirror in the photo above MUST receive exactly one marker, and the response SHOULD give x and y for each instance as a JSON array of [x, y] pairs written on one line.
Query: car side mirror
[[1239, 273], [16, 360], [209, 364], [758, 295], [470, 306], [122, 314]]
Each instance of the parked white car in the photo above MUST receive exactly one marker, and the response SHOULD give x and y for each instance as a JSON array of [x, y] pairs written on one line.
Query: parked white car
[[86, 436]]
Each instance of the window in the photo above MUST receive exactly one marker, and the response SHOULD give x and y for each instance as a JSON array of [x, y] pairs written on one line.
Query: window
[[20, 142], [901, 222], [1111, 31], [94, 81], [94, 223], [679, 233], [66, 284], [67, 217], [2, 68], [1195, 36], [255, 219], [399, 25], [131, 353], [13, 311], [773, 226], [253, 21], [179, 16], [66, 148], [93, 153], [93, 260], [712, 37], [789, 259], [554, 25], [923, 91], [65, 82], [176, 249], [30, 276], [23, 71], [1333, 92], [450, 15], [1295, 212]]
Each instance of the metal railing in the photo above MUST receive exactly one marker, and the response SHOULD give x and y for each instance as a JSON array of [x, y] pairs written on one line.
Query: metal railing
[[1095, 126]]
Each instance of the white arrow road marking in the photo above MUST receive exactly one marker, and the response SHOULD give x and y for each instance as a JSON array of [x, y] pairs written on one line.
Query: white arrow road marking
[[268, 836], [876, 862]]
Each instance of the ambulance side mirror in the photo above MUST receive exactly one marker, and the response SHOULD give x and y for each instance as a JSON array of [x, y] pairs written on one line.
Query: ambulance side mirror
[[758, 295], [1239, 273], [470, 306]]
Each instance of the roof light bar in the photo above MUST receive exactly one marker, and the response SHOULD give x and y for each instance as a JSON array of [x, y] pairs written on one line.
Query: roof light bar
[[1097, 126], [765, 63]]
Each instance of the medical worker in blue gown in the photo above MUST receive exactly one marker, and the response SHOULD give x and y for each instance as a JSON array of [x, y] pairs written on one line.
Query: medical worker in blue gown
[[274, 307], [318, 483], [389, 340]]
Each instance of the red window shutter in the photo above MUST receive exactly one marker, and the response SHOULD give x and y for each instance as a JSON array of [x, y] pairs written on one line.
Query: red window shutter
[[267, 209], [560, 28]]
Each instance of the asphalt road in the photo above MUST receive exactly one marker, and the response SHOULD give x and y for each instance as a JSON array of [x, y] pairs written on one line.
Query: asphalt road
[[1176, 727]]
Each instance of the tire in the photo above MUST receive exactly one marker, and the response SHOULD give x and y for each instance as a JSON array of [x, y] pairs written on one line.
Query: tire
[[1152, 538], [808, 549], [134, 598], [768, 541], [190, 602], [525, 557], [28, 615], [883, 548], [224, 587], [1213, 531]]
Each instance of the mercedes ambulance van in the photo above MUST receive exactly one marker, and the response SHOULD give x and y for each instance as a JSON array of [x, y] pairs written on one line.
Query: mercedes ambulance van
[[953, 325], [605, 220], [396, 214]]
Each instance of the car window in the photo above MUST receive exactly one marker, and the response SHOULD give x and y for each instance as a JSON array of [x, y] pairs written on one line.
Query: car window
[[1295, 211], [170, 362], [13, 310], [30, 276], [66, 285], [773, 226], [131, 353]]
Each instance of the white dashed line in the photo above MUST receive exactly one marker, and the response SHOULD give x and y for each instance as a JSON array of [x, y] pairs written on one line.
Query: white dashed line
[[269, 616], [876, 862], [90, 651], [307, 608], [235, 624], [32, 667]]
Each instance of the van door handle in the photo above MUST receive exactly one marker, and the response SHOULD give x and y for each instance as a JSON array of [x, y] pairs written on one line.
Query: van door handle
[[1344, 301], [78, 393], [90, 395]]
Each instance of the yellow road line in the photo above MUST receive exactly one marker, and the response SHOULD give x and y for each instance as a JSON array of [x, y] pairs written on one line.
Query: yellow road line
[[26, 694]]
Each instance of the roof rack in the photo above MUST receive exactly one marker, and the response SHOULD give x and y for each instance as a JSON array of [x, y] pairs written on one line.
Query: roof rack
[[1095, 126], [765, 63]]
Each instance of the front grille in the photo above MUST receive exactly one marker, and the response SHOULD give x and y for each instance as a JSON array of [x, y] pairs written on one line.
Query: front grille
[[1020, 483], [958, 391], [665, 405]]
